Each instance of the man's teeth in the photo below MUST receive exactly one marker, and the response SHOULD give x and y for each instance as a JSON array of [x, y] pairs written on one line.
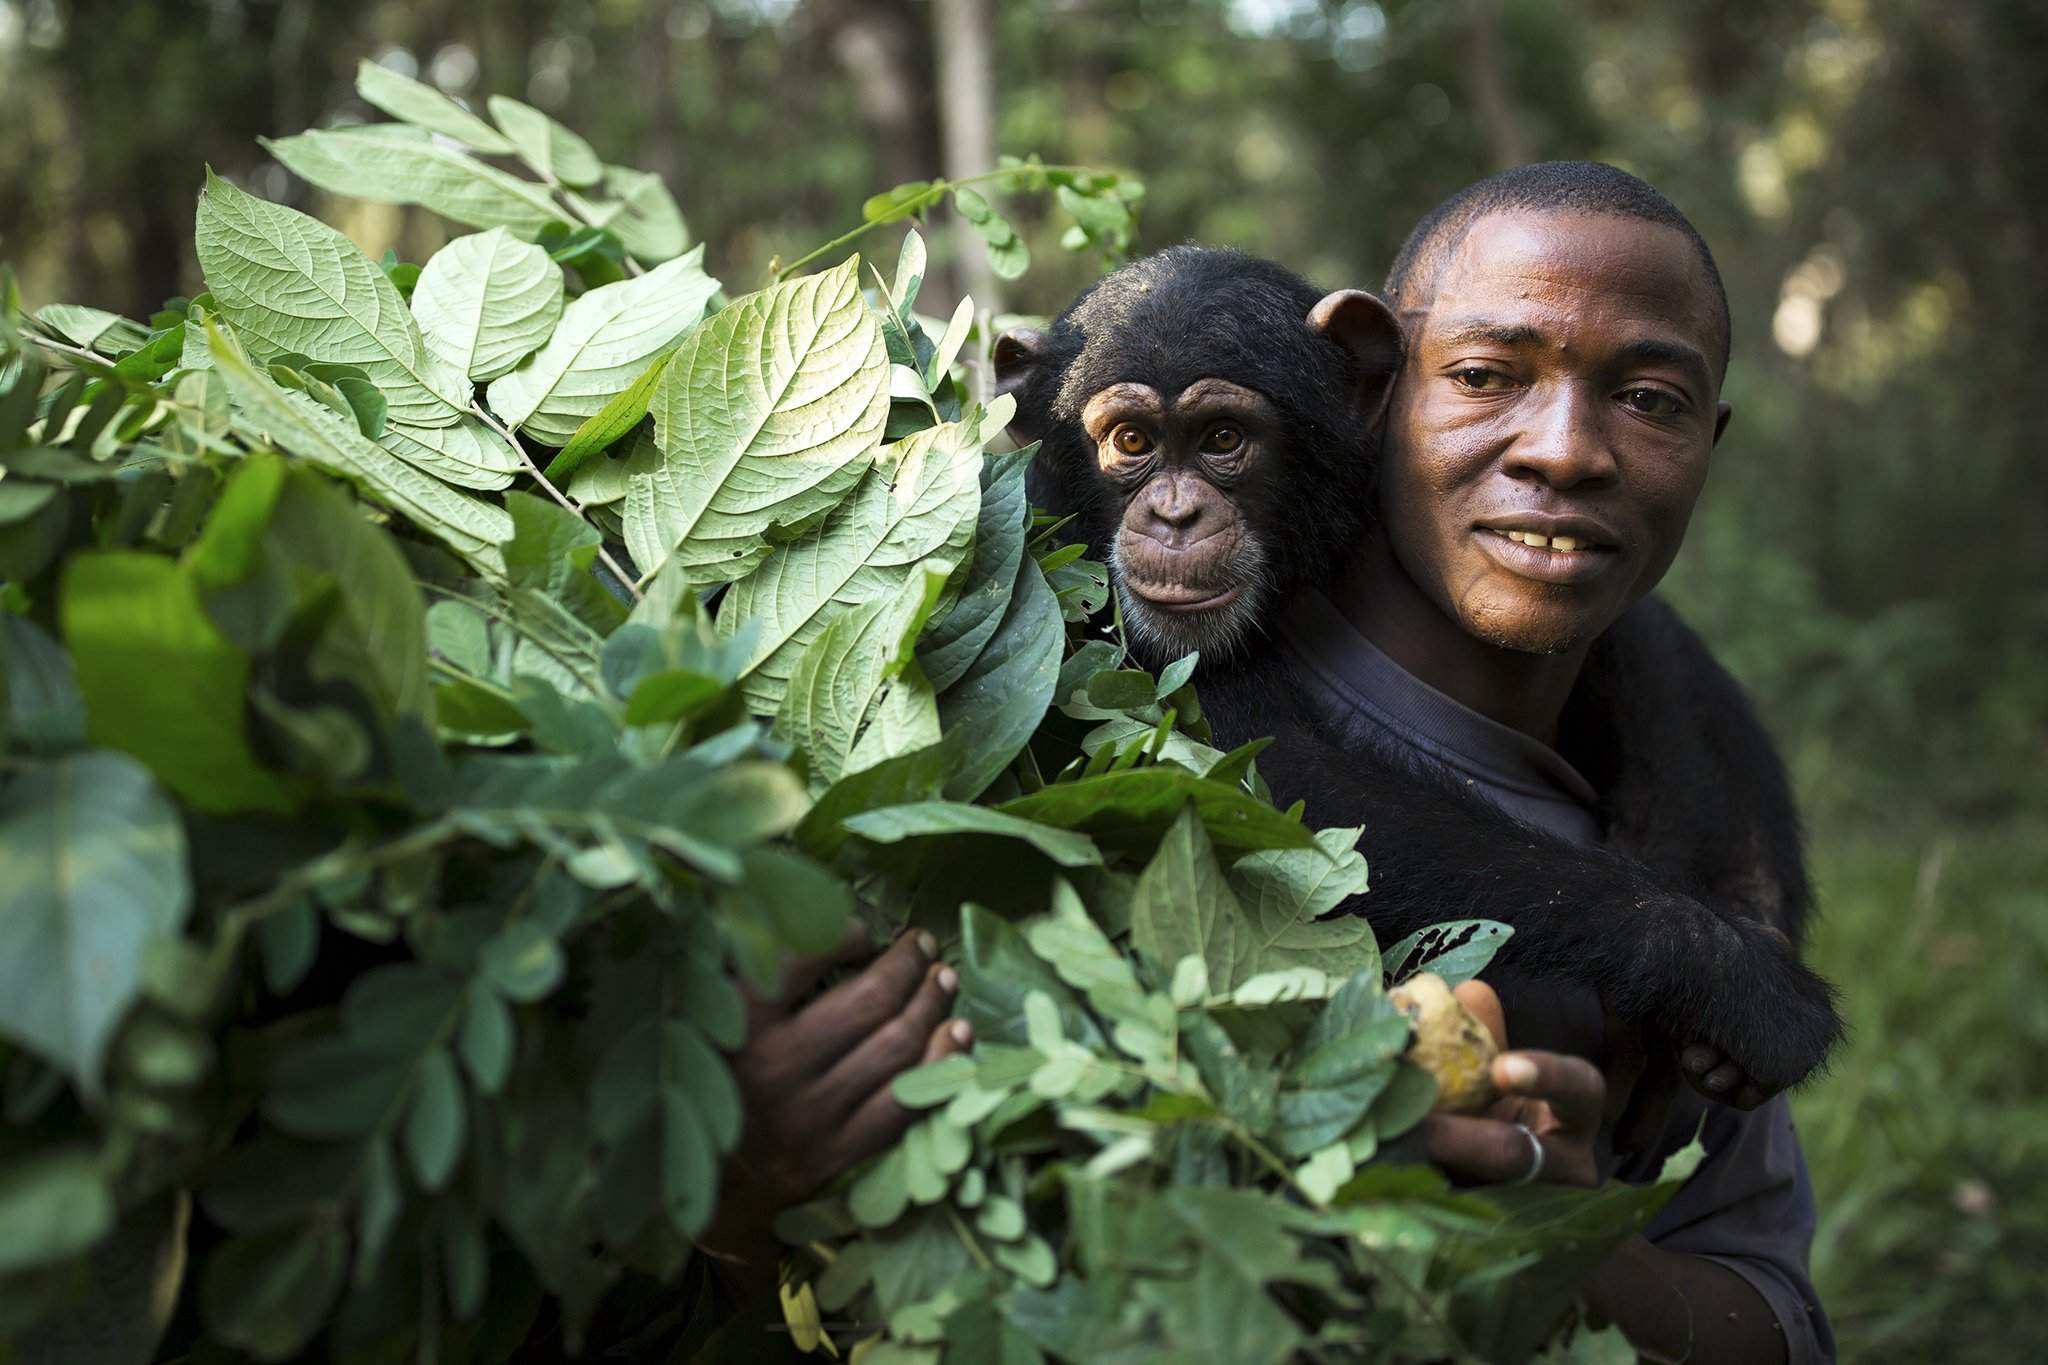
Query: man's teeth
[[1543, 542]]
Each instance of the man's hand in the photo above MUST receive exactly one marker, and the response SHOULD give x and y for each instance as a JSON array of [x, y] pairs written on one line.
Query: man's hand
[[814, 1081]]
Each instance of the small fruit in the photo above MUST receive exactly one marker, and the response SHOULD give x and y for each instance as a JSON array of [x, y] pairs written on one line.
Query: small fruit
[[1451, 1044]]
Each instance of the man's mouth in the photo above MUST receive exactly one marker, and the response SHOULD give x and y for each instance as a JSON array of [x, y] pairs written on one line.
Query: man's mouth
[[1537, 540]]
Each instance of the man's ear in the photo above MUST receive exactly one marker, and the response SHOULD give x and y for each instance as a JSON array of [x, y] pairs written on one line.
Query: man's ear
[[1370, 334], [1721, 415]]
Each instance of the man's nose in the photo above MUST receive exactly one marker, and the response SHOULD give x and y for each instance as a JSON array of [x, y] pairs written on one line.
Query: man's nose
[[1566, 440]]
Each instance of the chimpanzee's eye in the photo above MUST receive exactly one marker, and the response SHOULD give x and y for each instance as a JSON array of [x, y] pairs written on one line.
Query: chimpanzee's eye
[[1223, 440], [1130, 440]]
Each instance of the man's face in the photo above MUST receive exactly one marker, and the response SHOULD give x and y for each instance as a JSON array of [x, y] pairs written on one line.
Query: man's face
[[1551, 429]]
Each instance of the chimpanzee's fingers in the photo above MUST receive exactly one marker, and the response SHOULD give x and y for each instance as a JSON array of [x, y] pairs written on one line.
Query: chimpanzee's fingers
[[881, 1119], [894, 1046]]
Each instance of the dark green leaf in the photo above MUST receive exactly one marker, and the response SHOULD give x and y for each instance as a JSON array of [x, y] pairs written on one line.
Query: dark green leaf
[[44, 710], [54, 1204], [268, 1292], [486, 1040], [620, 415], [434, 1123], [941, 819], [1132, 811]]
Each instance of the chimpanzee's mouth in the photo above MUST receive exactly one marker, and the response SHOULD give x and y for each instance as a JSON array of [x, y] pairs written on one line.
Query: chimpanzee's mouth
[[1182, 601]]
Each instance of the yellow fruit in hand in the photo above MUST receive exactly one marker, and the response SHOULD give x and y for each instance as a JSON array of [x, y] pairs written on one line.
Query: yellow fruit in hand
[[1450, 1043]]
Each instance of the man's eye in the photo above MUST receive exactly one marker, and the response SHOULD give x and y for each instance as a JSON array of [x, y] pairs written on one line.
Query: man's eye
[[1480, 378], [1129, 440], [1222, 440], [1652, 402]]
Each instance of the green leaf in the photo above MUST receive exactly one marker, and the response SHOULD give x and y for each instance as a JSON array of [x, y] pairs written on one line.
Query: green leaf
[[934, 1083], [1132, 811], [605, 340], [805, 906], [269, 1292], [160, 681], [608, 424], [40, 704], [558, 155], [486, 1040], [764, 420], [94, 328], [999, 973], [416, 103], [1284, 893], [917, 501], [55, 1203], [837, 707], [1456, 950], [290, 283], [640, 210], [942, 819], [393, 164], [486, 301], [662, 1084], [1183, 907], [912, 196], [1121, 690], [469, 527], [949, 648], [465, 453], [435, 1120]]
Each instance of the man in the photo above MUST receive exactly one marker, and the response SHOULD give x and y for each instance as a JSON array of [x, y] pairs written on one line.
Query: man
[[1567, 334]]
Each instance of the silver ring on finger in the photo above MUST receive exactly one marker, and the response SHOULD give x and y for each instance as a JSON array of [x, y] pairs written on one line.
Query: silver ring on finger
[[1535, 1156]]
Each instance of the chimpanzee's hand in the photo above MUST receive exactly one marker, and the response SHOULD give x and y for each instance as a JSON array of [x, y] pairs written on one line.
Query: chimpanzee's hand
[[1764, 1023], [814, 1082]]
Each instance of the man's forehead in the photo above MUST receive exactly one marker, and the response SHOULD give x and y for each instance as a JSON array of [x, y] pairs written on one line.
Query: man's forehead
[[1565, 265]]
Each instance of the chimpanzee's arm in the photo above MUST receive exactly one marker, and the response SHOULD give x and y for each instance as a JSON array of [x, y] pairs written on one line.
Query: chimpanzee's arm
[[1685, 967]]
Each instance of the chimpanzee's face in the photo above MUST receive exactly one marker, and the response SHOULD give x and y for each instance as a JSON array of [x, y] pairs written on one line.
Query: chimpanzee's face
[[1551, 430], [1189, 566]]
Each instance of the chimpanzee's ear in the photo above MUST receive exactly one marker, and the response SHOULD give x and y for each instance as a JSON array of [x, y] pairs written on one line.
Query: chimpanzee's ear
[[1018, 354], [1368, 331]]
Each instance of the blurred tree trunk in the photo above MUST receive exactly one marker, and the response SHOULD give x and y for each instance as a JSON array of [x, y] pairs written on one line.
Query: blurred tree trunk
[[1491, 99], [886, 51], [965, 37]]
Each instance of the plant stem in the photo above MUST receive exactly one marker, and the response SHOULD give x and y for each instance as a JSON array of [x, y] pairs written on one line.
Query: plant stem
[[569, 504], [939, 188], [65, 348]]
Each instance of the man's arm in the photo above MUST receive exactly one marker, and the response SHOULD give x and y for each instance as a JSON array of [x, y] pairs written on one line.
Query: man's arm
[[1676, 1307]]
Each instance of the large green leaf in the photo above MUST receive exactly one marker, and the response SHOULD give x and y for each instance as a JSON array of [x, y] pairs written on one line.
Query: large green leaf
[[486, 301], [1183, 907], [1134, 809], [471, 528], [1285, 892], [605, 340], [990, 714], [917, 501], [54, 1204], [556, 154], [765, 418], [160, 680], [394, 164], [405, 98], [96, 870], [290, 283], [949, 648], [833, 707]]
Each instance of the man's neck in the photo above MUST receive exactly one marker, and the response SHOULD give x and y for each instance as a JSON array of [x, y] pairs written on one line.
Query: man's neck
[[1523, 691]]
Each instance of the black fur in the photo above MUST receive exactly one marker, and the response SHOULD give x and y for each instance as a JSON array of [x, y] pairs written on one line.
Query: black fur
[[1686, 922]]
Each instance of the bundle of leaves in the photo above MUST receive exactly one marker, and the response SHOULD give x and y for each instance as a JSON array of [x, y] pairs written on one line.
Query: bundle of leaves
[[427, 692]]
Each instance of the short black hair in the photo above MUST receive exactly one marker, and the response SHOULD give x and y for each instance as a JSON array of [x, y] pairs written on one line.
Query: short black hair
[[1561, 186]]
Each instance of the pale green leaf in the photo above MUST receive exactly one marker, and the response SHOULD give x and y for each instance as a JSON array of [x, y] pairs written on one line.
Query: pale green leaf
[[96, 869], [471, 528], [289, 283], [766, 417], [558, 155], [94, 328], [394, 164], [486, 301], [54, 1204], [943, 819], [467, 454], [837, 688], [408, 99], [1184, 907], [638, 208], [918, 500], [605, 340]]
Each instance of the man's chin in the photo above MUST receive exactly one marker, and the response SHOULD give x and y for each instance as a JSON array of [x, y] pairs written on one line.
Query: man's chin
[[1528, 630]]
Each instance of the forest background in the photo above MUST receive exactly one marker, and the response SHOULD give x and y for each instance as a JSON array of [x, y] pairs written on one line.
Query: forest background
[[1870, 555]]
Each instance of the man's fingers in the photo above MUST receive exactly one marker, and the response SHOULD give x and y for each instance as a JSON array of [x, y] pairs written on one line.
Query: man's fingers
[[1573, 1086], [881, 1119], [1478, 997], [894, 1046], [1495, 1152], [838, 1021], [799, 974]]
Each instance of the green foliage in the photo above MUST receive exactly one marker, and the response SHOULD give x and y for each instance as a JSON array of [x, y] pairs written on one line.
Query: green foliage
[[389, 828]]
